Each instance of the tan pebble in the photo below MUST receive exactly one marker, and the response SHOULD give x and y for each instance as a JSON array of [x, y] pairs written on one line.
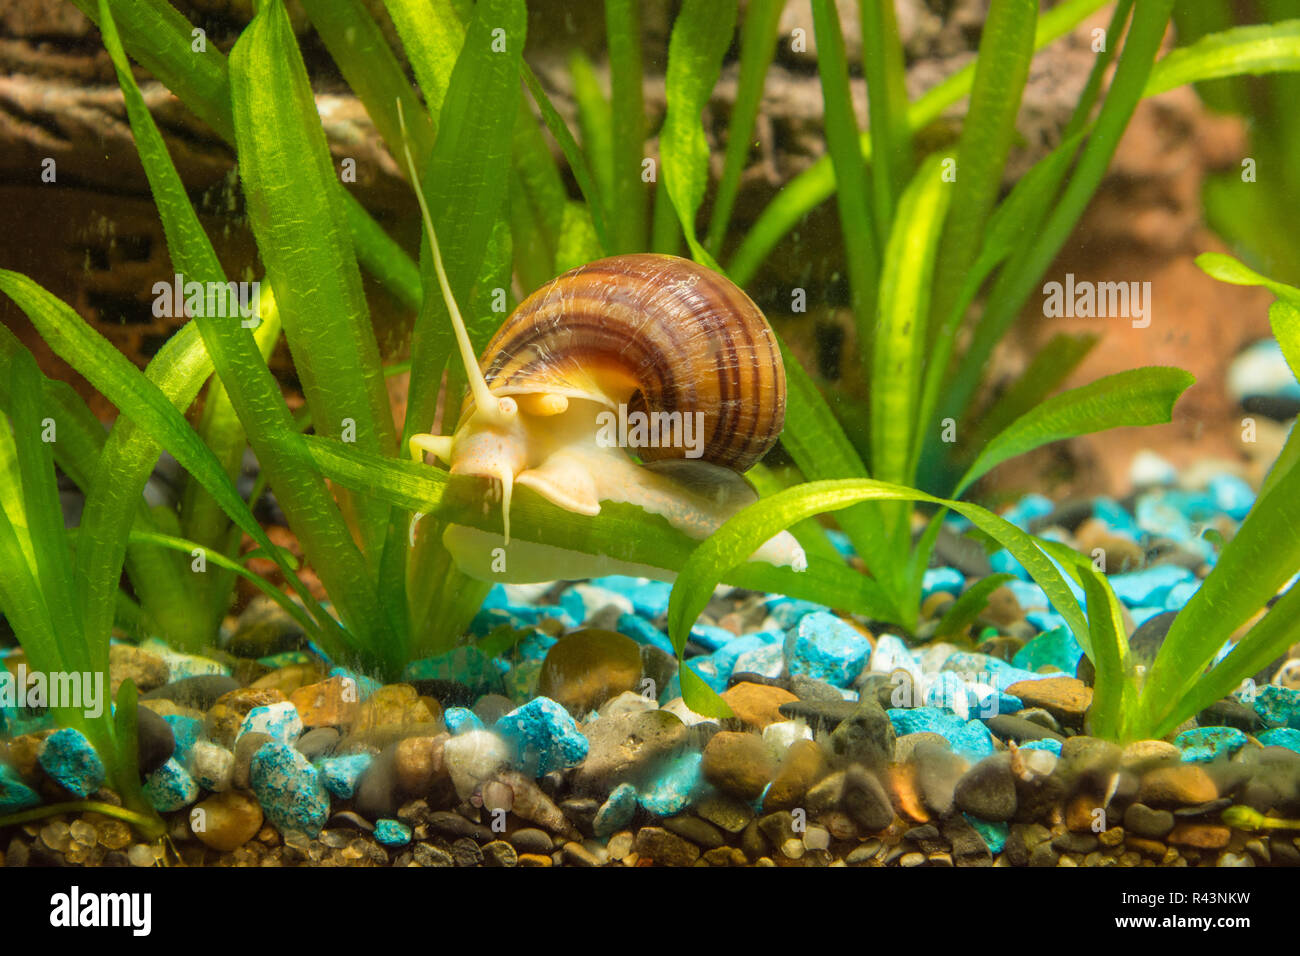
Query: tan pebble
[[328, 703], [757, 705], [1202, 836], [904, 793], [226, 820], [534, 859], [1065, 698], [1186, 785], [588, 667]]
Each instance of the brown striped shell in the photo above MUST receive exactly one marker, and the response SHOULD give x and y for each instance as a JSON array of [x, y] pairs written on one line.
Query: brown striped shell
[[659, 333]]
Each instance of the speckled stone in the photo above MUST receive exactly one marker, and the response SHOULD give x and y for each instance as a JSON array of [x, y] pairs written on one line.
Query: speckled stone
[[289, 789], [15, 795], [827, 648], [72, 763], [544, 736], [674, 786], [1205, 744], [392, 832], [171, 787], [617, 810]]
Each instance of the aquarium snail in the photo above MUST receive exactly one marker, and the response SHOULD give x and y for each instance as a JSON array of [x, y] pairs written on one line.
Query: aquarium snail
[[646, 355]]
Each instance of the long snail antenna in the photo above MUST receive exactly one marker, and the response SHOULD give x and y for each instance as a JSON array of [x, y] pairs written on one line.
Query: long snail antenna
[[495, 411]]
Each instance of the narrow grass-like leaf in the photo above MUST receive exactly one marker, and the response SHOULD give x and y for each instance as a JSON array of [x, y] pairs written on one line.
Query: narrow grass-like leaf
[[1113, 687], [1241, 51], [620, 532], [357, 45], [250, 386], [294, 205], [1001, 72], [853, 185], [816, 184], [627, 233], [44, 519], [891, 136], [701, 34], [1143, 396], [162, 41], [595, 122], [1253, 566], [900, 331], [576, 159], [757, 48], [740, 535], [1269, 638], [1022, 273], [958, 618], [433, 35], [1049, 367]]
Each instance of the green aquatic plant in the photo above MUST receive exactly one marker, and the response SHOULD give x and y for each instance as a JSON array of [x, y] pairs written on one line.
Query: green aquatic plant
[[369, 521], [1189, 673]]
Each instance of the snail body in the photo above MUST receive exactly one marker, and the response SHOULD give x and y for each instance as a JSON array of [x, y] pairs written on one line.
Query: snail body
[[645, 379]]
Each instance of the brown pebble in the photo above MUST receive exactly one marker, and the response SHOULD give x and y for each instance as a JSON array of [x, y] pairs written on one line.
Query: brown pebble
[[757, 705]]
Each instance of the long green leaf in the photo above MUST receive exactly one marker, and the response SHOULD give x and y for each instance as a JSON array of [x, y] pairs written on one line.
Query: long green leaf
[[757, 48], [900, 339], [858, 223], [1253, 566], [1006, 47], [627, 107], [1241, 51], [1143, 396], [295, 208], [739, 536], [1113, 687], [701, 34], [891, 136], [816, 184]]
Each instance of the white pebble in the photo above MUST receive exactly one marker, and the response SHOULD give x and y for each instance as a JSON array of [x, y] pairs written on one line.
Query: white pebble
[[473, 757]]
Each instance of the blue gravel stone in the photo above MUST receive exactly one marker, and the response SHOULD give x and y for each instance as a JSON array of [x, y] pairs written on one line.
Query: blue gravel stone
[[1180, 594], [824, 647], [930, 719], [973, 741], [1045, 620], [535, 645], [71, 761], [1004, 562], [1278, 737], [674, 786], [1029, 595], [289, 789], [170, 787], [392, 832], [789, 611], [948, 580], [1156, 516], [616, 812], [340, 775], [1051, 746], [724, 658], [711, 637], [768, 660], [1150, 586], [993, 834], [1232, 496], [365, 685], [468, 665], [1027, 509], [979, 668], [460, 719], [1278, 706], [644, 633], [186, 731], [1203, 744], [280, 721], [1116, 517], [15, 796], [704, 667], [544, 736], [948, 691], [1056, 648], [1141, 615], [649, 598], [892, 653]]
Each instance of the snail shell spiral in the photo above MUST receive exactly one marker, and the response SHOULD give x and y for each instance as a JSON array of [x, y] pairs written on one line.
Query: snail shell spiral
[[659, 334]]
